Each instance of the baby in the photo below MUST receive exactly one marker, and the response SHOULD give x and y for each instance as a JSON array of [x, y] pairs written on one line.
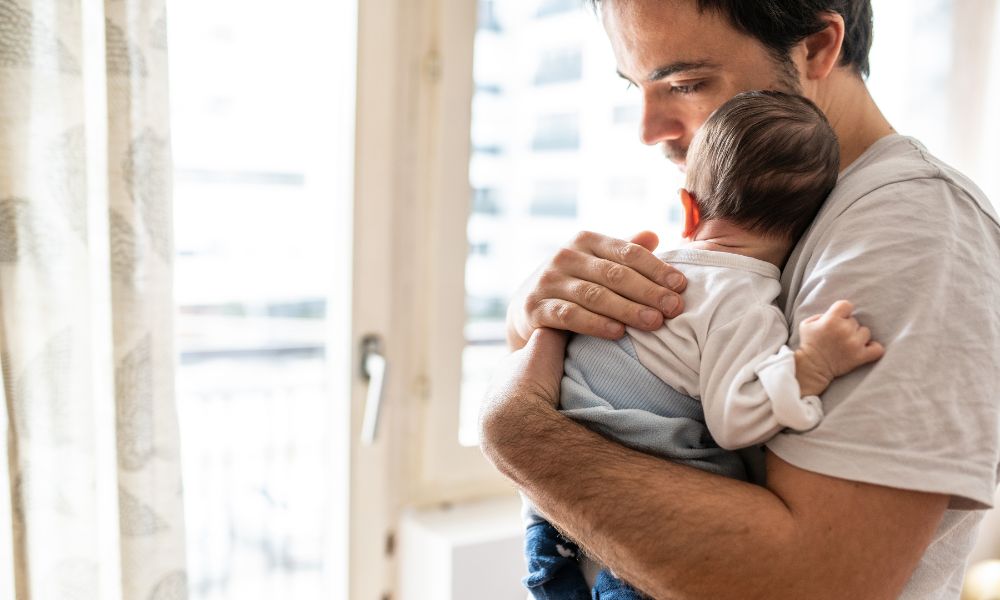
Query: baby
[[719, 377]]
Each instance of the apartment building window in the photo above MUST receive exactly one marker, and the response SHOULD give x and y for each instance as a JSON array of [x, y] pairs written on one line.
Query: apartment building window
[[491, 89], [626, 114], [488, 149], [487, 16], [675, 214], [557, 132], [555, 199], [479, 249], [486, 201], [559, 66], [554, 7]]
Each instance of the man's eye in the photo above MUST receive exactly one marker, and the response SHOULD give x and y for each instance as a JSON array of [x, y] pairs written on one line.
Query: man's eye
[[688, 88]]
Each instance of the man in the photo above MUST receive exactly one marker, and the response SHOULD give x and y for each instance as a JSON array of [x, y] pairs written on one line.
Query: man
[[882, 499]]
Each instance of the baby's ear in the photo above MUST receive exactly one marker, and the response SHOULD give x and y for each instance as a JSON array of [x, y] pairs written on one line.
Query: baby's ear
[[692, 217]]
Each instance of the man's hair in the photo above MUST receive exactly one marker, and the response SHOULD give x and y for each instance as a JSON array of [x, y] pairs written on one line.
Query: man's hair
[[780, 24], [764, 161]]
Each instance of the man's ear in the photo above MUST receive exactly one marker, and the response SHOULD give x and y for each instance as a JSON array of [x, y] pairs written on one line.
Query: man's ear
[[822, 49], [692, 216]]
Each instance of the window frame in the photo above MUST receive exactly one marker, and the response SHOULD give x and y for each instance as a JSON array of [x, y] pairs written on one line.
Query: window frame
[[444, 470]]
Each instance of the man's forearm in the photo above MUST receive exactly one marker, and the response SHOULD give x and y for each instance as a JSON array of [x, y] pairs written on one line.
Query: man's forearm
[[618, 504], [677, 532]]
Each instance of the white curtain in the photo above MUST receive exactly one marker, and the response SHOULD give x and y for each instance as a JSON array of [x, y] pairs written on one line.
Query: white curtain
[[86, 311], [975, 93], [936, 76]]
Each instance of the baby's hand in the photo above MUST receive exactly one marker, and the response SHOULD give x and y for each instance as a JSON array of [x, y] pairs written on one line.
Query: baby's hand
[[832, 344]]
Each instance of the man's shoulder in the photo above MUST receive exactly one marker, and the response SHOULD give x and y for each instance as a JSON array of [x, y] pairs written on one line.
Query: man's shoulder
[[898, 219], [899, 174]]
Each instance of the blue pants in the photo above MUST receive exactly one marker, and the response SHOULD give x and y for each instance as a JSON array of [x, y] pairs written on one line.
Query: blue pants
[[554, 570]]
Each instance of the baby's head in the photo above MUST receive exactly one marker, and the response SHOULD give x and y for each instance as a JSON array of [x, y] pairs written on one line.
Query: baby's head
[[763, 161]]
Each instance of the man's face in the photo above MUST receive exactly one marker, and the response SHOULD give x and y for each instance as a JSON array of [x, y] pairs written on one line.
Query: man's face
[[685, 64]]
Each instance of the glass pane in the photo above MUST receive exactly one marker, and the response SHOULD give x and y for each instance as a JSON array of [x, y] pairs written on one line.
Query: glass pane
[[252, 152], [555, 151]]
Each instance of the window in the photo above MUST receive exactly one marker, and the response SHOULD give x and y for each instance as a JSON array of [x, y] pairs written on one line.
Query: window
[[486, 201], [487, 17], [556, 175], [491, 149], [488, 88], [480, 248], [554, 7], [557, 132], [554, 199], [627, 189], [675, 215], [255, 149], [559, 66], [627, 114]]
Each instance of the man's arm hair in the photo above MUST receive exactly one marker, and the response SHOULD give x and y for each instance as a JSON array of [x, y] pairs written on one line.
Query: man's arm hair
[[677, 532]]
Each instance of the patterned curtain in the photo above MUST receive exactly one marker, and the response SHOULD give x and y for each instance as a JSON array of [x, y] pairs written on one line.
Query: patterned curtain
[[86, 310]]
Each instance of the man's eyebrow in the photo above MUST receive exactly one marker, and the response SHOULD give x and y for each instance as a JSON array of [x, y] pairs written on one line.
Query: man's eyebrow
[[673, 69]]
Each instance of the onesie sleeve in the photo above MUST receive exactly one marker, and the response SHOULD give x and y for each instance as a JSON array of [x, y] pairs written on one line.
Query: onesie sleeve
[[748, 386]]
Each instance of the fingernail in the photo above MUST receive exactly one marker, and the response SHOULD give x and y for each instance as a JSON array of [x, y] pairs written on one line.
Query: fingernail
[[675, 281], [669, 304], [649, 316], [613, 328]]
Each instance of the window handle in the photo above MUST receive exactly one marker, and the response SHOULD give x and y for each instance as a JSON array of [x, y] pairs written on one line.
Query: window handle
[[373, 369]]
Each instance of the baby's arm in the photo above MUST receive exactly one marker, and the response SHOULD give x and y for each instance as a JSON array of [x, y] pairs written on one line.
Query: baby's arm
[[832, 344], [752, 385]]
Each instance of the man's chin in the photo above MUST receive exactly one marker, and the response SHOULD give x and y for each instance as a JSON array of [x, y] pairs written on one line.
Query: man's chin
[[677, 156]]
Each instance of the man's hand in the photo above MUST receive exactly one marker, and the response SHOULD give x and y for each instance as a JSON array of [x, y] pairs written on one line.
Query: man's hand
[[832, 344], [595, 286], [531, 374]]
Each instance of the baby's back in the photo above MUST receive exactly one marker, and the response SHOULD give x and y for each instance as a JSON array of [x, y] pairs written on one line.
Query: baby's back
[[643, 389], [722, 287]]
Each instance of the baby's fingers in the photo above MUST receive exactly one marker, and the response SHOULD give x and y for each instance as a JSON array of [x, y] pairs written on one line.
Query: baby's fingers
[[811, 319], [841, 308], [871, 352]]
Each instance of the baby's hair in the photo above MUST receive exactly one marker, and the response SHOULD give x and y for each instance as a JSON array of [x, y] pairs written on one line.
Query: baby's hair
[[765, 161]]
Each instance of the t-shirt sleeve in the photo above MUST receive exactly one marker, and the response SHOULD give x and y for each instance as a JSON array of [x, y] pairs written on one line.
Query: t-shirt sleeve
[[747, 386], [919, 260]]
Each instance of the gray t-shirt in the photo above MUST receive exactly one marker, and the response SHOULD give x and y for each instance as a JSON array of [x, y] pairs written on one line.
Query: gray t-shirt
[[915, 246]]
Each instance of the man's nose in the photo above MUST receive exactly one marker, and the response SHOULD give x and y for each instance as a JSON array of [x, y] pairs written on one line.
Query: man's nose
[[660, 122]]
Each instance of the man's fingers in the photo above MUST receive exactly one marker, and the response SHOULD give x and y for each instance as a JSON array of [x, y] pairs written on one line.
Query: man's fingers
[[569, 316], [634, 256], [545, 350], [608, 288], [536, 369], [621, 281], [646, 239], [596, 286]]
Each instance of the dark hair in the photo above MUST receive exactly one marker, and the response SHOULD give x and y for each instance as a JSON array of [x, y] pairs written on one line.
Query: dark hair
[[765, 161], [780, 24]]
